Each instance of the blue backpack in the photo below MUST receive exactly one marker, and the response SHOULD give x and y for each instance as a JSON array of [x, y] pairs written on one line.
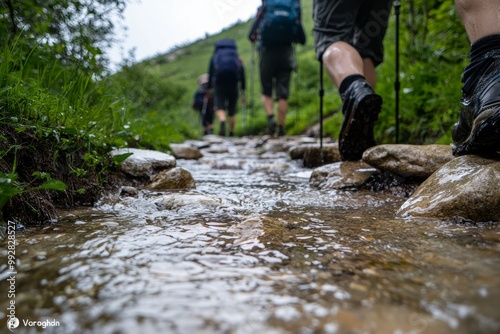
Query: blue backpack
[[226, 62], [280, 22]]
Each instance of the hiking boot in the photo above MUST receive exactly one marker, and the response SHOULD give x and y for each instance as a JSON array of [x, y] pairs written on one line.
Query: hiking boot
[[231, 134], [478, 128], [360, 106], [281, 131], [222, 129], [271, 126]]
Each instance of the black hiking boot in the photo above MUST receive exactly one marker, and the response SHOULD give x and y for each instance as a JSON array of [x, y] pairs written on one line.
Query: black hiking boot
[[360, 106], [478, 128], [222, 129], [271, 126], [281, 131]]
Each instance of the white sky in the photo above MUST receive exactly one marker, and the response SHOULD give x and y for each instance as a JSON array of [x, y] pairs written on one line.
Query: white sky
[[155, 26]]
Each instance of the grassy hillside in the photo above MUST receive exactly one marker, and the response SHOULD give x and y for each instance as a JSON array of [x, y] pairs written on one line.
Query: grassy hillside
[[433, 54], [183, 66]]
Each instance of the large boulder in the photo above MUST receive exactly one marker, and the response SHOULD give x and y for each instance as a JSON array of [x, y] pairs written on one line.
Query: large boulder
[[465, 187], [418, 161], [144, 163]]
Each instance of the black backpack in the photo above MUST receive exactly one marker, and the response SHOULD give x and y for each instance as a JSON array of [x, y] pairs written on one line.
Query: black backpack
[[226, 62]]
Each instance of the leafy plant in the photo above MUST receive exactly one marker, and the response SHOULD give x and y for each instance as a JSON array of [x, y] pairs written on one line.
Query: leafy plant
[[10, 186]]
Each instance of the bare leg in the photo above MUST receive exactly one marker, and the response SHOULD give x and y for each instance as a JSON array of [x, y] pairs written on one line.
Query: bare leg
[[231, 123], [369, 72], [221, 115], [282, 110], [268, 103], [342, 60], [480, 17]]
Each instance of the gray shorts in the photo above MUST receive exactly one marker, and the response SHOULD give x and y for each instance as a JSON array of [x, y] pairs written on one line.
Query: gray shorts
[[276, 65], [361, 23]]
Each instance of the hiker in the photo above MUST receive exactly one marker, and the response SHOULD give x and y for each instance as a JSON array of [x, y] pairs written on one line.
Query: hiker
[[277, 27], [203, 102], [478, 128], [225, 71], [348, 36]]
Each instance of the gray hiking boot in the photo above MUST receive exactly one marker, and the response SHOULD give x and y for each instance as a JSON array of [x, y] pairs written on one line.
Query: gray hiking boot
[[360, 106], [478, 128]]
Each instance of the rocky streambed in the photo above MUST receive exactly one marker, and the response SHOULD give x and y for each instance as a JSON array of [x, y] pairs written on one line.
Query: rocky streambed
[[251, 235]]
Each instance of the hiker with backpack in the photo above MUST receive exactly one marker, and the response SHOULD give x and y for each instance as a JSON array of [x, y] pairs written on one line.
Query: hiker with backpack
[[203, 102], [277, 27], [225, 72], [348, 36]]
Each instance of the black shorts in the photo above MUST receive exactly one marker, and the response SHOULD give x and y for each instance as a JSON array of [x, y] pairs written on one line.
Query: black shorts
[[361, 23], [226, 97], [276, 65]]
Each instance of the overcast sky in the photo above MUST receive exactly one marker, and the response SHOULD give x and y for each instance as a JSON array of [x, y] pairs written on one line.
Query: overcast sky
[[155, 26]]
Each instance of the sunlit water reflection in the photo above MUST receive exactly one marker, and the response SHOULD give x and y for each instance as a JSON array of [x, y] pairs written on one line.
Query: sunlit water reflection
[[255, 249]]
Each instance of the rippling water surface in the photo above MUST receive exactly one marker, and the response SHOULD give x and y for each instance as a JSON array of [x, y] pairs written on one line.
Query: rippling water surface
[[255, 249]]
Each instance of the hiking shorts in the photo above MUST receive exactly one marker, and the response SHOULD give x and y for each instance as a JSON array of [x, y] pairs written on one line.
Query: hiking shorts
[[276, 65], [226, 98], [361, 23]]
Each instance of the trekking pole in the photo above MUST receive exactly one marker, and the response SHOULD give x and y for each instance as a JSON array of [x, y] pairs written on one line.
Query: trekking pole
[[245, 116], [321, 95], [397, 6], [252, 77], [297, 89]]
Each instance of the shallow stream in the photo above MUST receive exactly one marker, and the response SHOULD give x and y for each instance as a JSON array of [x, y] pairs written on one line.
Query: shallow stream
[[255, 249]]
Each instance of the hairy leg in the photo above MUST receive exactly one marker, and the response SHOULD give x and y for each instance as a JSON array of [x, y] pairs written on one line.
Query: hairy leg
[[282, 110], [480, 17]]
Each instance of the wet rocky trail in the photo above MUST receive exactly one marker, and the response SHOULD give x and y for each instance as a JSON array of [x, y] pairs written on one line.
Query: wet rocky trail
[[255, 248]]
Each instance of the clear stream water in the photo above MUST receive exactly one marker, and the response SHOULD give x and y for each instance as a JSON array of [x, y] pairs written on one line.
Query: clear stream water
[[254, 249]]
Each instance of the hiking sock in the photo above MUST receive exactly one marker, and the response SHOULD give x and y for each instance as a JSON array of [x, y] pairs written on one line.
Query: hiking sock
[[222, 131], [482, 53], [346, 83]]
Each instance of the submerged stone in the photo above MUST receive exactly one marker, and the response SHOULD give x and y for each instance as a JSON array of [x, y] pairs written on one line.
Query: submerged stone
[[175, 178], [466, 187], [312, 155], [191, 201], [347, 174]]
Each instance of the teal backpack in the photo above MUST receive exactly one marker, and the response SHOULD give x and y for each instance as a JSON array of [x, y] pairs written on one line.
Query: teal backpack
[[280, 23]]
